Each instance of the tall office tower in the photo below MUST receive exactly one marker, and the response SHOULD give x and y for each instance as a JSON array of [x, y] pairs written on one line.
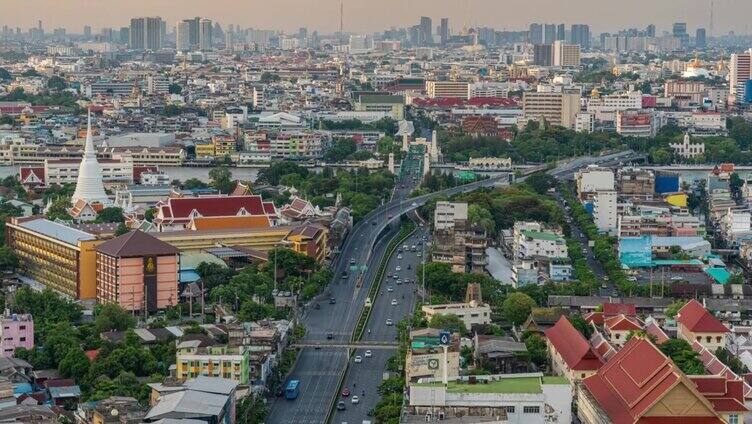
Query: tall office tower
[[106, 34], [426, 30], [205, 33], [87, 32], [193, 31], [162, 32], [650, 30], [39, 27], [183, 36], [549, 33], [414, 35], [125, 35], [580, 34], [680, 32], [700, 38], [535, 34], [136, 40], [561, 32], [740, 72], [302, 33], [543, 55], [444, 30]]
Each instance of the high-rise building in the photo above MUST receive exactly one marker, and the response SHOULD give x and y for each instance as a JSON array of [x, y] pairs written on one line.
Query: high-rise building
[[700, 38], [543, 55], [740, 71], [146, 34], [549, 33], [183, 36], [680, 32], [561, 32], [193, 31], [87, 32], [426, 29], [535, 34], [650, 30], [556, 108], [205, 33], [444, 30], [566, 55], [581, 35]]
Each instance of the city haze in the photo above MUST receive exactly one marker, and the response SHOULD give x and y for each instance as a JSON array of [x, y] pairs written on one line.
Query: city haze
[[368, 15]]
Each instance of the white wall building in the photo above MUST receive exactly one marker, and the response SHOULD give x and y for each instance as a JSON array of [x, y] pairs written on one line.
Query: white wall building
[[447, 213], [604, 211], [594, 178]]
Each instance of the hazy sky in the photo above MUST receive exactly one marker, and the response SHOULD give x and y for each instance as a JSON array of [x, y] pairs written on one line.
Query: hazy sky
[[375, 15]]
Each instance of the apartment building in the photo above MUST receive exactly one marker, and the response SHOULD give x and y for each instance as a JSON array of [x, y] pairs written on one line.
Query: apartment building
[[463, 246], [448, 89], [16, 330], [471, 313], [212, 361], [593, 179], [635, 183], [533, 239], [635, 123], [447, 213], [555, 108], [605, 211], [566, 55]]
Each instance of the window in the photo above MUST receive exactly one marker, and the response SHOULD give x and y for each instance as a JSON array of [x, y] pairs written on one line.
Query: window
[[531, 409], [509, 409], [733, 419], [23, 339], [708, 338], [718, 339]]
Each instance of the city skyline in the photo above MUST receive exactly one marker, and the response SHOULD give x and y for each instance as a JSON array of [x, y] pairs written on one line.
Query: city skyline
[[362, 16]]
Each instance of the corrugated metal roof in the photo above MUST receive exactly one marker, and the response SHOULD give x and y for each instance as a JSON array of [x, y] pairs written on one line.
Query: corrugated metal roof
[[57, 231]]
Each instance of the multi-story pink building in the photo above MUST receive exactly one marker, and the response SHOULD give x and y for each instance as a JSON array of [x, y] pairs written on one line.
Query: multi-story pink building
[[138, 272], [17, 331]]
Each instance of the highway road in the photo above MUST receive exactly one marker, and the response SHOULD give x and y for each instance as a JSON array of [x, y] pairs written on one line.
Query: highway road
[[366, 376], [319, 370]]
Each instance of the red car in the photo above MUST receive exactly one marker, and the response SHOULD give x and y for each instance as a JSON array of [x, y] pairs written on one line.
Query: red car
[[346, 392]]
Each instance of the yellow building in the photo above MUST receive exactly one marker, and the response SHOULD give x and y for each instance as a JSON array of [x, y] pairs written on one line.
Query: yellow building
[[195, 241], [212, 361], [224, 145], [205, 150], [56, 256]]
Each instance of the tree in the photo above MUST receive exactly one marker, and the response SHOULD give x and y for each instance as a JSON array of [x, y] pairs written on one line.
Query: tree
[[478, 215], [517, 306], [112, 317], [733, 362], [194, 183], [536, 348], [581, 325], [340, 150], [56, 83], [5, 75], [221, 179], [74, 364], [735, 182], [740, 131], [683, 356], [6, 120], [267, 77], [30, 73], [8, 259], [110, 214], [448, 322], [172, 110], [121, 229], [541, 182], [59, 210], [253, 311], [175, 88]]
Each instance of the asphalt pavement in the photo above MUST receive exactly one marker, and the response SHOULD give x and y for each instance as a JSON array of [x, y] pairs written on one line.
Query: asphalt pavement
[[365, 377]]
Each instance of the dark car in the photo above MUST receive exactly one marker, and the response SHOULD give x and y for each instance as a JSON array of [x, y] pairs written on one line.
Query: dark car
[[340, 406], [329, 335], [332, 301]]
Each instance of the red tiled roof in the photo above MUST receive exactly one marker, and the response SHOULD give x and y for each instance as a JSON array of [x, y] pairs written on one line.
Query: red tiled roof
[[138, 170], [595, 318], [27, 171], [631, 382], [695, 318], [680, 420], [654, 330], [725, 395], [622, 323], [611, 309], [180, 208], [573, 348]]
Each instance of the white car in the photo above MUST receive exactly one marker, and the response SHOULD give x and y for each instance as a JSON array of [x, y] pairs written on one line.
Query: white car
[[389, 322], [389, 289], [355, 400], [358, 359], [368, 354], [394, 302], [398, 269], [399, 256]]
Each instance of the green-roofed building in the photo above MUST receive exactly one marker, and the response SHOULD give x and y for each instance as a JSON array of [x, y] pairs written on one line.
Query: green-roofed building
[[371, 102]]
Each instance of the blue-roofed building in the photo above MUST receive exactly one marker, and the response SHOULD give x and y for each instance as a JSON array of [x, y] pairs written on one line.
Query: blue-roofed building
[[638, 252]]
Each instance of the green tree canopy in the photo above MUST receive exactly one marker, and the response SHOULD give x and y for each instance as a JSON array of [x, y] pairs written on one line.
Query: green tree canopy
[[112, 317], [110, 214], [448, 322], [517, 306], [221, 179]]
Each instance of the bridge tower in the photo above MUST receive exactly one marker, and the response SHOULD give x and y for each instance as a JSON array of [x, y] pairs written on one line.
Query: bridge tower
[[391, 163], [426, 163], [433, 149]]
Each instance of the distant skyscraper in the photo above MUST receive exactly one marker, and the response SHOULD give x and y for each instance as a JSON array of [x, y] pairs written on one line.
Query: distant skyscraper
[[700, 38], [444, 30], [740, 71], [680, 32], [581, 35], [87, 32], [426, 29], [125, 35], [183, 36], [650, 30], [561, 32], [543, 55], [146, 34], [193, 31], [535, 34], [549, 33], [205, 32]]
